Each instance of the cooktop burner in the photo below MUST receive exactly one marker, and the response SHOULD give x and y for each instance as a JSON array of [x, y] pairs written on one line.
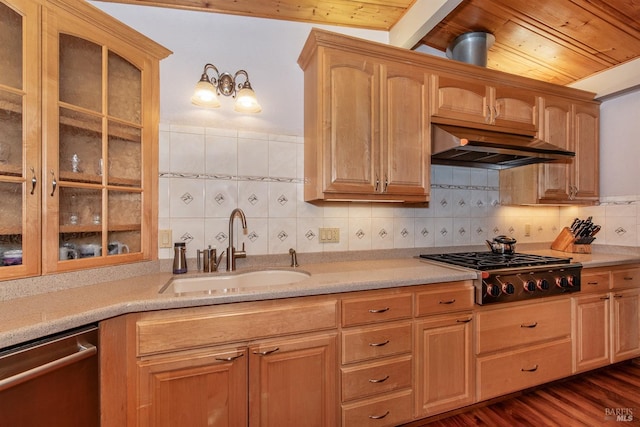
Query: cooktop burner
[[492, 261]]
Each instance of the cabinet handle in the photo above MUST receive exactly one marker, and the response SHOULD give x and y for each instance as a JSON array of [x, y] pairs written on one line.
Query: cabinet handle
[[535, 368], [375, 189], [496, 114], [379, 310], [451, 301], [386, 183], [618, 296], [230, 358], [627, 278], [381, 380], [378, 344], [607, 297], [530, 325], [464, 320], [54, 183], [487, 117], [592, 283], [379, 417], [266, 352], [34, 180]]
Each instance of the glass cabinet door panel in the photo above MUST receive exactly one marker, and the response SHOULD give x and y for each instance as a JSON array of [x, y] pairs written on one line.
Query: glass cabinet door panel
[[10, 219], [10, 47], [80, 223], [11, 135], [80, 72], [80, 147], [124, 89], [124, 225], [125, 155]]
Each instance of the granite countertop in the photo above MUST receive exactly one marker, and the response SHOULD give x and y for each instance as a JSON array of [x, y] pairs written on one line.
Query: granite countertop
[[32, 317]]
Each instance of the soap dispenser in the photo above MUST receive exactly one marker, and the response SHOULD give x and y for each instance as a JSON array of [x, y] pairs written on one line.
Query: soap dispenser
[[179, 258]]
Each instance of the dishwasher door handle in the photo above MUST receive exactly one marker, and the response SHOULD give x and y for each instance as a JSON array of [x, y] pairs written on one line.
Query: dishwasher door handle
[[84, 351]]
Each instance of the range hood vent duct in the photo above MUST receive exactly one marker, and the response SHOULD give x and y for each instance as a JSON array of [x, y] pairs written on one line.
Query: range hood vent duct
[[471, 48], [456, 145]]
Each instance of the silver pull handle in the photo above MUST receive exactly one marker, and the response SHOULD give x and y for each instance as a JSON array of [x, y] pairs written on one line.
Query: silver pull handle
[[535, 368], [230, 358], [54, 183], [379, 344], [451, 301], [377, 185], [34, 181], [84, 351], [386, 183], [530, 325], [266, 352], [381, 380], [379, 417], [379, 310]]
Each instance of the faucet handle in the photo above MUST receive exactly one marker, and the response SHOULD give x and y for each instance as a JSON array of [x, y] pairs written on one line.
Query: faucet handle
[[241, 253]]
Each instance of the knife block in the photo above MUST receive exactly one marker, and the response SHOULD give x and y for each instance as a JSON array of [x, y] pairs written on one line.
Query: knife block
[[566, 242]]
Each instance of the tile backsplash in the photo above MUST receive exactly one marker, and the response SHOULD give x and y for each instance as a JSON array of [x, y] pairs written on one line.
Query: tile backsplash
[[207, 172]]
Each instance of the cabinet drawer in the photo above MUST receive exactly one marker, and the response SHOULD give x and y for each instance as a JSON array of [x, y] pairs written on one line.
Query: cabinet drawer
[[445, 298], [594, 281], [375, 378], [379, 308], [510, 327], [627, 278], [388, 410], [220, 324], [378, 341], [505, 373]]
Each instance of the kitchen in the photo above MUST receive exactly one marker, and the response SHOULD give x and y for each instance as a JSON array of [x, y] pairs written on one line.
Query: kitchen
[[279, 128]]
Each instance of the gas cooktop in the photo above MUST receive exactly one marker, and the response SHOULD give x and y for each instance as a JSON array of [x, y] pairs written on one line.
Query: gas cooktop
[[493, 261]]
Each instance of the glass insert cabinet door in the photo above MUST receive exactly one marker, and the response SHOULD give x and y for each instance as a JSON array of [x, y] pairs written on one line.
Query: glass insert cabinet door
[[99, 179], [19, 141]]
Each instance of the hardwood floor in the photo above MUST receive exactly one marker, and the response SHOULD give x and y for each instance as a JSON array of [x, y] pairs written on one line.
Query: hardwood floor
[[592, 399]]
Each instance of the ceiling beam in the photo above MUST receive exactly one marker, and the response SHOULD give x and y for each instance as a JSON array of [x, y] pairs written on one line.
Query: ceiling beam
[[421, 18]]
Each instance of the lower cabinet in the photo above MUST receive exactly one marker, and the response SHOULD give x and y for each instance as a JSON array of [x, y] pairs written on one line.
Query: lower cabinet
[[445, 372]]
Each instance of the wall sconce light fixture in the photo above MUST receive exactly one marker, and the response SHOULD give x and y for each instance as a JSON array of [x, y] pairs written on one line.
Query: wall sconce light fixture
[[208, 89]]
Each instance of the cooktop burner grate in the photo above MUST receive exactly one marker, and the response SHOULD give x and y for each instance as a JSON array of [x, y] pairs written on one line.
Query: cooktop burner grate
[[493, 261]]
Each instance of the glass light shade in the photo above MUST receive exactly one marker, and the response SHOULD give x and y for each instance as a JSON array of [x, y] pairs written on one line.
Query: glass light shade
[[204, 95], [246, 101]]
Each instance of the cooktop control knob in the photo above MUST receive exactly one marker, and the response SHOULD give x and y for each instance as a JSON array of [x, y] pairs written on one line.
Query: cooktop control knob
[[508, 288], [562, 282], [530, 286], [543, 284], [572, 280], [493, 290]]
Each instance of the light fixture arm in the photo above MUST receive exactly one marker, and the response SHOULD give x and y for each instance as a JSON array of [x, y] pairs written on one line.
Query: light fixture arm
[[216, 83]]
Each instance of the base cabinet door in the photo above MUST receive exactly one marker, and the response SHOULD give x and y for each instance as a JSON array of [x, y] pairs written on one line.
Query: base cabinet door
[[207, 388], [293, 382], [444, 364], [591, 331], [626, 325]]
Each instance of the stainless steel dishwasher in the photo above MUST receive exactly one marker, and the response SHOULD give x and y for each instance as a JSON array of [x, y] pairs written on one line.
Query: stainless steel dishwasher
[[52, 382]]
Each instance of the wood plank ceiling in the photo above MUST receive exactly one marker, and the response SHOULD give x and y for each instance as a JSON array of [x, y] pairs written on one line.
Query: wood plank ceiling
[[558, 41]]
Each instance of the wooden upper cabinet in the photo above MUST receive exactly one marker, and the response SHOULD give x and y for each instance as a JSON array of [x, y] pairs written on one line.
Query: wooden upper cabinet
[[478, 101], [366, 127], [571, 125]]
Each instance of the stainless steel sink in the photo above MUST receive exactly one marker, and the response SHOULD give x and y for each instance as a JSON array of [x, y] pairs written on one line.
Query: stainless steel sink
[[234, 282]]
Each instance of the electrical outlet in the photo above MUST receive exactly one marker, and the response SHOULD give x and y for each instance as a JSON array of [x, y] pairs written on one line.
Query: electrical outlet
[[527, 230], [164, 239], [329, 235]]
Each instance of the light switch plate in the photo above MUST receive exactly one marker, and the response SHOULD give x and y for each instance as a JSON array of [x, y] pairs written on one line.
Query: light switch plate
[[164, 238], [329, 235]]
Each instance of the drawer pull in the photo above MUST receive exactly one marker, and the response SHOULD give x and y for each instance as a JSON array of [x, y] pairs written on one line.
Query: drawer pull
[[266, 352], [592, 283], [618, 296], [607, 297], [530, 325], [378, 344], [379, 310], [627, 278], [379, 417], [464, 320], [230, 358], [535, 368], [451, 301], [381, 380]]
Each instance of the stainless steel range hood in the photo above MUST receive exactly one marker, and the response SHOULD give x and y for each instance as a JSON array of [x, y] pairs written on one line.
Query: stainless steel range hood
[[457, 145]]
